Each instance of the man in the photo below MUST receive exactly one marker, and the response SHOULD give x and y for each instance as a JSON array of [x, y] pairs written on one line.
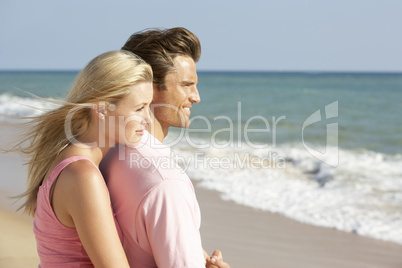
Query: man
[[152, 197]]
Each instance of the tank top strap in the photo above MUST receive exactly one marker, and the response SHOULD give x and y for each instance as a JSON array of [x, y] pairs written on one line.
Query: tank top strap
[[60, 166]]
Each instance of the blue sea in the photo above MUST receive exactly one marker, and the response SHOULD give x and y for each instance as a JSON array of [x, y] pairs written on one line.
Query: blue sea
[[320, 148]]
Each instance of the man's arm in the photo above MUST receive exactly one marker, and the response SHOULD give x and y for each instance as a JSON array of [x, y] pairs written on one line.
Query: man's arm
[[215, 261], [171, 217]]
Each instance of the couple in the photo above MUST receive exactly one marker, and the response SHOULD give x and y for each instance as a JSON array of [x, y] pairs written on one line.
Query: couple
[[157, 217]]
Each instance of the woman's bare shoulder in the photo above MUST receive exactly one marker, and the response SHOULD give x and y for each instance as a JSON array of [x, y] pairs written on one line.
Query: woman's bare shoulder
[[82, 173]]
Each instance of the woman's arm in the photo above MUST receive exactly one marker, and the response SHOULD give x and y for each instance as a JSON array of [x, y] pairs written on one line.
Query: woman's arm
[[81, 200]]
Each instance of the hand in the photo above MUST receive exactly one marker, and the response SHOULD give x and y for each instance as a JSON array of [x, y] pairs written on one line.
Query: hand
[[215, 261]]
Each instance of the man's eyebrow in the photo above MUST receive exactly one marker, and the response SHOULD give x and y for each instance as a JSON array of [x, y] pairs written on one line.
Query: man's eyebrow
[[187, 82]]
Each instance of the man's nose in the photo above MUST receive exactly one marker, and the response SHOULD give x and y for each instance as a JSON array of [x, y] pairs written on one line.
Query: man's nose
[[195, 95]]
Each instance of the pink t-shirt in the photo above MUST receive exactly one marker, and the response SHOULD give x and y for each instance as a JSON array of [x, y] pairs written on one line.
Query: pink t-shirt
[[57, 244], [155, 206]]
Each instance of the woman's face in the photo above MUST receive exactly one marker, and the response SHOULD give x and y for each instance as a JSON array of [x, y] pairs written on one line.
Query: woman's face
[[130, 115]]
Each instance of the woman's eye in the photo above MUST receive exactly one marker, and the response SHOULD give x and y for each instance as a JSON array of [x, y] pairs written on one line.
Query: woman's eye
[[142, 108]]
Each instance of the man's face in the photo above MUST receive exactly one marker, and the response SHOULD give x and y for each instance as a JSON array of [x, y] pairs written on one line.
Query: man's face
[[172, 105]]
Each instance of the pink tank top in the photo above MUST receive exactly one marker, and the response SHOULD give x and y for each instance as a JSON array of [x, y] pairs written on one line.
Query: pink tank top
[[57, 244]]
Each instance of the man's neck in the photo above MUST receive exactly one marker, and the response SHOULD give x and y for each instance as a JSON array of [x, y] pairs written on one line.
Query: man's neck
[[157, 130]]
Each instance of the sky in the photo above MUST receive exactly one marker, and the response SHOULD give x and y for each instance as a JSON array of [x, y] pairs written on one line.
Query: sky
[[266, 35]]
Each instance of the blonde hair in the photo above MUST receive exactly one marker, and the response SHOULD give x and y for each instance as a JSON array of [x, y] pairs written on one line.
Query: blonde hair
[[107, 78]]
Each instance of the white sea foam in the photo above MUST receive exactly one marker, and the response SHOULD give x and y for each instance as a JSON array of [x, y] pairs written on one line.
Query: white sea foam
[[362, 195], [13, 106]]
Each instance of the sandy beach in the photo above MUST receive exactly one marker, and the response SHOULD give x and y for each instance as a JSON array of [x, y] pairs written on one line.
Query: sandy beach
[[253, 238], [246, 237], [17, 242]]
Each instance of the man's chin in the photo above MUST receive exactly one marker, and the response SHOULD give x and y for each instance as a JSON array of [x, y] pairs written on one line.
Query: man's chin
[[182, 125], [187, 124]]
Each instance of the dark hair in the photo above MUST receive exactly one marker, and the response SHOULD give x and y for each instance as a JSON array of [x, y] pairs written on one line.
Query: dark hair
[[159, 47]]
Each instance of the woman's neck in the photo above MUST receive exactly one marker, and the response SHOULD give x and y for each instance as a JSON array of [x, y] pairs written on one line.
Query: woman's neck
[[92, 146]]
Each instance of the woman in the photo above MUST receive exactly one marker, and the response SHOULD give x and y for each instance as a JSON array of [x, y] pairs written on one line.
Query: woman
[[74, 224]]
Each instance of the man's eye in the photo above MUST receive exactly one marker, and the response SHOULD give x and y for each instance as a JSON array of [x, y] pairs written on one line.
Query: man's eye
[[142, 108]]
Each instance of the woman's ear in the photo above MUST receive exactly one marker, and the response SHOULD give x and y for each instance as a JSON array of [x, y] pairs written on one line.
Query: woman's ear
[[100, 110]]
